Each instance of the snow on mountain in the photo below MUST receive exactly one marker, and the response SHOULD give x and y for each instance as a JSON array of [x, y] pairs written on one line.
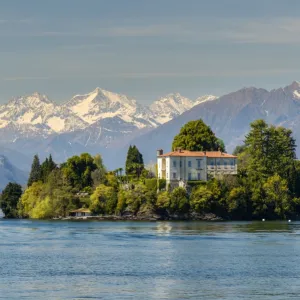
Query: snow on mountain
[[205, 98], [169, 107], [37, 110], [101, 104]]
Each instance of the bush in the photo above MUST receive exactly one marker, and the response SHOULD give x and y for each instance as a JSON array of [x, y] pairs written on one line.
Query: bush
[[196, 183], [179, 202], [151, 184]]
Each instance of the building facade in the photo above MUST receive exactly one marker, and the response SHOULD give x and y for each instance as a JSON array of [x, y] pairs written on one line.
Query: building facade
[[183, 165]]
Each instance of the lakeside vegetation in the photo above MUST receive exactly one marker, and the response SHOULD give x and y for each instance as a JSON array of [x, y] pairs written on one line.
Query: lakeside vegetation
[[267, 185]]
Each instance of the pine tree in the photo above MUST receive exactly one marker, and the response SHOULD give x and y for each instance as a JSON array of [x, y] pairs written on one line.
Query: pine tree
[[36, 172]]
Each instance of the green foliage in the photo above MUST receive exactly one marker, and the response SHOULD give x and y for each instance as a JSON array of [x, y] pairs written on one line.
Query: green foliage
[[271, 151], [151, 184], [137, 197], [122, 196], [9, 199], [239, 149], [196, 183], [36, 172], [277, 196], [197, 136], [47, 167], [238, 203], [179, 203], [103, 200], [162, 184], [78, 170], [163, 200], [51, 199], [134, 162]]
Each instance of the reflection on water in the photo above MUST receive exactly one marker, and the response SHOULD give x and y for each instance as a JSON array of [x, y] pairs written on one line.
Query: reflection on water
[[140, 260]]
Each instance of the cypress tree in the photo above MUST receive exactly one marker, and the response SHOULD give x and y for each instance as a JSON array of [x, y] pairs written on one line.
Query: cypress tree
[[36, 172], [134, 161]]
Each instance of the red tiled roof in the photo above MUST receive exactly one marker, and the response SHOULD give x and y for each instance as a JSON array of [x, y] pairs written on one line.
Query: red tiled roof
[[210, 154]]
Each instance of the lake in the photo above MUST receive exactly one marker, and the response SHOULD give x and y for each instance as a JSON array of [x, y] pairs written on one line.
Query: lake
[[141, 260]]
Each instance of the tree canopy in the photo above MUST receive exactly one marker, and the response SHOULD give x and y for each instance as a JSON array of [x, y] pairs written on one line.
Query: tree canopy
[[9, 199], [197, 136], [78, 170]]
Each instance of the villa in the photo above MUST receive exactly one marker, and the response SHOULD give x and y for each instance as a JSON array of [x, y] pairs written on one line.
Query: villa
[[183, 166]]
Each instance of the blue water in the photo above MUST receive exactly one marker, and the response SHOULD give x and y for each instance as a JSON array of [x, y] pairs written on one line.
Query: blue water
[[132, 260]]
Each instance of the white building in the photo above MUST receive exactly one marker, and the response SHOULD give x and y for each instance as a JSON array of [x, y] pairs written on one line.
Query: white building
[[183, 165], [82, 212]]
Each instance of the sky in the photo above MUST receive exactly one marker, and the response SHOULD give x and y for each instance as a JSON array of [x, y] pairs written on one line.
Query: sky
[[147, 48]]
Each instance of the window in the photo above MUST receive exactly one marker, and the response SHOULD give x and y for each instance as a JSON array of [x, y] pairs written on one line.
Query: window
[[199, 176], [199, 163], [174, 175], [232, 162], [190, 176], [212, 163], [174, 163], [225, 163], [189, 164], [180, 164]]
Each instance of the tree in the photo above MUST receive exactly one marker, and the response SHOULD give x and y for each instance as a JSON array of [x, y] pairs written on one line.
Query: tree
[[239, 149], [271, 149], [78, 170], [9, 200], [179, 202], [238, 202], [134, 161], [36, 172], [104, 200], [278, 200], [197, 136], [47, 167]]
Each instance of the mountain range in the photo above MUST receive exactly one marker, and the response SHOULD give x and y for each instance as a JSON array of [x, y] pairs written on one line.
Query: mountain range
[[106, 122], [93, 122]]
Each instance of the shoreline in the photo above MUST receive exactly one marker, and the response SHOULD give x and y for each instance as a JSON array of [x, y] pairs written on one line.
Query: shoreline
[[152, 218]]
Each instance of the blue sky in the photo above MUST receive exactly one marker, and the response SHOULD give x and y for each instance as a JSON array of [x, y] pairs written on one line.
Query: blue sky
[[146, 49]]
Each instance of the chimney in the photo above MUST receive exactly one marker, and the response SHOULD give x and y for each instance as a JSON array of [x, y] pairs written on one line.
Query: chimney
[[159, 152]]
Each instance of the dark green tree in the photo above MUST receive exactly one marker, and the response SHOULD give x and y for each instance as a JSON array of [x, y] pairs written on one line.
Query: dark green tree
[[36, 171], [9, 200], [78, 170], [47, 167], [197, 136], [134, 162]]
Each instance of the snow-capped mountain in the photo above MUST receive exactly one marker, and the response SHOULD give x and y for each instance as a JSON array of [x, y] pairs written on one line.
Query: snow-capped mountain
[[101, 104], [205, 98], [97, 121], [38, 114], [169, 107]]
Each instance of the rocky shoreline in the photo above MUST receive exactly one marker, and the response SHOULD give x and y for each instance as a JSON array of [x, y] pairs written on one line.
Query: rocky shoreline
[[150, 218]]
